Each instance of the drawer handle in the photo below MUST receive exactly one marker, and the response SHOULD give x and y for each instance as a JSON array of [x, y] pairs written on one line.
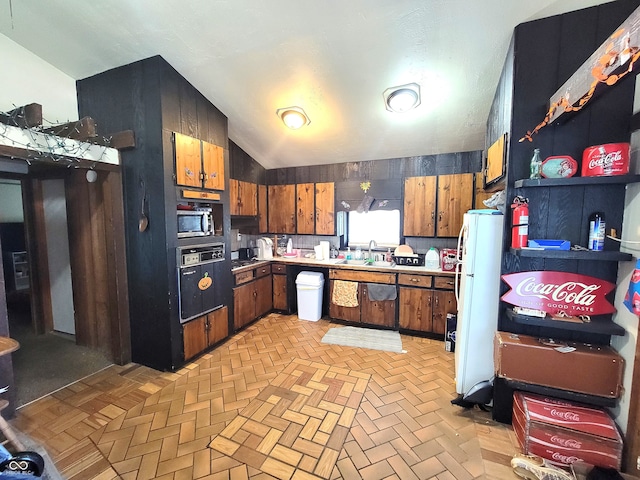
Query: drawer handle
[[415, 280]]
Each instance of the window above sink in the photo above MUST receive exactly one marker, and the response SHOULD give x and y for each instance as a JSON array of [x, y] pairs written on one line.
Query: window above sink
[[383, 226]]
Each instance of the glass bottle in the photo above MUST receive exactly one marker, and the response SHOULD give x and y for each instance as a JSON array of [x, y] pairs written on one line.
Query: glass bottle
[[536, 165]]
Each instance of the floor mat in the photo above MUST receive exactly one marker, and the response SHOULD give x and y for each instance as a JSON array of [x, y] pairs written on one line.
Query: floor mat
[[386, 340], [298, 422]]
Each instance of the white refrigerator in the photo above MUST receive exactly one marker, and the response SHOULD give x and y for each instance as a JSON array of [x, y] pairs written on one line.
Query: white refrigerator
[[478, 296]]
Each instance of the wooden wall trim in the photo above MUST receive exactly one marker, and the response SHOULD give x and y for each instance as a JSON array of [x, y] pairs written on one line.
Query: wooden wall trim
[[36, 241], [117, 270]]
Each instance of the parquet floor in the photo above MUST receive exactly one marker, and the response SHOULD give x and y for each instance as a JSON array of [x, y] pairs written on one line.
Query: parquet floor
[[274, 402]]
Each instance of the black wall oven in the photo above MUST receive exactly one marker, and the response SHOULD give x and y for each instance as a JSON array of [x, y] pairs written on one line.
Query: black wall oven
[[197, 289]]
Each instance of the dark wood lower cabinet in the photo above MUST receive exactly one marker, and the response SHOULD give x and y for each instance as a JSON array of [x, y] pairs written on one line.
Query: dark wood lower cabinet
[[280, 300], [415, 309], [350, 314], [425, 301], [254, 297], [205, 331], [264, 295], [244, 305], [376, 312], [443, 302], [369, 312]]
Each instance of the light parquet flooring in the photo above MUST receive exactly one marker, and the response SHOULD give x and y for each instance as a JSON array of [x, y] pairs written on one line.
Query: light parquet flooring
[[274, 402]]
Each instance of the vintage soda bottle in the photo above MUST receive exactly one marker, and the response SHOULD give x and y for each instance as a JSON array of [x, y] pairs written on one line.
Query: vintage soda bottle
[[536, 165]]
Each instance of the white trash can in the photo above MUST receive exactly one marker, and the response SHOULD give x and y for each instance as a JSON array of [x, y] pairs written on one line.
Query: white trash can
[[309, 286]]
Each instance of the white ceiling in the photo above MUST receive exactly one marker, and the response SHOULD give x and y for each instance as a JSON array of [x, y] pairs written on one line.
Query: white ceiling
[[333, 58]]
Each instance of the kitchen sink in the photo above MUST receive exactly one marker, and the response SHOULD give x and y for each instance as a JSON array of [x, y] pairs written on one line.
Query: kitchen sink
[[364, 263]]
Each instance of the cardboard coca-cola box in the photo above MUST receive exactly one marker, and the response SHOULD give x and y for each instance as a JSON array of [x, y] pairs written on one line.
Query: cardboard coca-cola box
[[606, 160], [448, 259], [565, 432]]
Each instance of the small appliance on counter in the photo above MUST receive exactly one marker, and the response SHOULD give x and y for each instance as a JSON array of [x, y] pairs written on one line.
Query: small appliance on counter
[[265, 248]]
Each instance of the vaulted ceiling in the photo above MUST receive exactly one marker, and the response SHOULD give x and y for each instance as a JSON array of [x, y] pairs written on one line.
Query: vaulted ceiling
[[332, 58]]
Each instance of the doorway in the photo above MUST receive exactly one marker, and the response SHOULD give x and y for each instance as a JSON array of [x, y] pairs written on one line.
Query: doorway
[[49, 357]]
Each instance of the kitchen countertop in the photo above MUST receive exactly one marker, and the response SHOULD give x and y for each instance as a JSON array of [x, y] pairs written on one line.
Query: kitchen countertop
[[336, 263]]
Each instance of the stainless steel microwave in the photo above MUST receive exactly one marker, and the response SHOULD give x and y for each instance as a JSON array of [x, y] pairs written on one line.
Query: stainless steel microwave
[[195, 223]]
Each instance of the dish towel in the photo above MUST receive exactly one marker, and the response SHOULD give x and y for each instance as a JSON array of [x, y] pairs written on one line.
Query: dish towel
[[379, 291], [345, 294]]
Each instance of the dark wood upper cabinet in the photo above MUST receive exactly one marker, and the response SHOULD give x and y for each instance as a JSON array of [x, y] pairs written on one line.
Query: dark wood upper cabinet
[[282, 209], [305, 207], [325, 209], [455, 197], [199, 164], [420, 206], [243, 198], [262, 209]]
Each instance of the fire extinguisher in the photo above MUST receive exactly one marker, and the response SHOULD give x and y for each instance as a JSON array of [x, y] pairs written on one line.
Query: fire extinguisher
[[520, 222]]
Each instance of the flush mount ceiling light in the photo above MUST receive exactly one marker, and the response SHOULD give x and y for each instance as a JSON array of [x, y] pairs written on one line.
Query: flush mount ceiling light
[[402, 98], [293, 117]]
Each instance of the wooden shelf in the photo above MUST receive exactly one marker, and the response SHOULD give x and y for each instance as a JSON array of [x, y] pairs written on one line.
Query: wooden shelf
[[577, 181], [599, 325], [605, 256]]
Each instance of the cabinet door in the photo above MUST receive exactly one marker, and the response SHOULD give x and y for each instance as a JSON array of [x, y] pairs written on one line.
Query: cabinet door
[[244, 305], [305, 208], [282, 209], [415, 310], [262, 209], [188, 162], [280, 293], [234, 196], [376, 312], [325, 209], [351, 314], [194, 337], [217, 325], [420, 206], [213, 166], [444, 302], [264, 295], [248, 199], [455, 197]]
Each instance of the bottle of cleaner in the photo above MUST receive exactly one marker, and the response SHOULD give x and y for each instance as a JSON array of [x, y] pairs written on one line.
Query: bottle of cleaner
[[432, 258], [597, 229], [348, 253]]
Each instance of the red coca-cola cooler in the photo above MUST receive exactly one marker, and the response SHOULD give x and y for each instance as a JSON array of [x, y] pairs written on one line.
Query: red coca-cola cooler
[[564, 432], [606, 160]]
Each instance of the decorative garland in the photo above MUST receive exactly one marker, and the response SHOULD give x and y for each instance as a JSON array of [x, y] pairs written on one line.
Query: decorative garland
[[599, 75], [44, 146]]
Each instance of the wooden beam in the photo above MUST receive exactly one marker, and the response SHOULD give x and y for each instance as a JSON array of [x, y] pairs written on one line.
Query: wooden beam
[[41, 145], [26, 116], [120, 141], [83, 129]]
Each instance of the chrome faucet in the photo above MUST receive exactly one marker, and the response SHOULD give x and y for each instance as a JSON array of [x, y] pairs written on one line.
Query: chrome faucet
[[372, 244]]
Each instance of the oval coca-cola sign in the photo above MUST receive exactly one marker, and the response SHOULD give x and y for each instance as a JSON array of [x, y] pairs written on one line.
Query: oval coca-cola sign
[[554, 292]]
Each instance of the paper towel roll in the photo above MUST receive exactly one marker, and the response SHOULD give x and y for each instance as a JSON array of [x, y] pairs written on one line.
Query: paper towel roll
[[318, 250], [325, 249]]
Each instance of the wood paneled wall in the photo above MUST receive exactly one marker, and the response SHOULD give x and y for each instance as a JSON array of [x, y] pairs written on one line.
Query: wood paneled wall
[[98, 269], [393, 168], [151, 98], [243, 167]]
